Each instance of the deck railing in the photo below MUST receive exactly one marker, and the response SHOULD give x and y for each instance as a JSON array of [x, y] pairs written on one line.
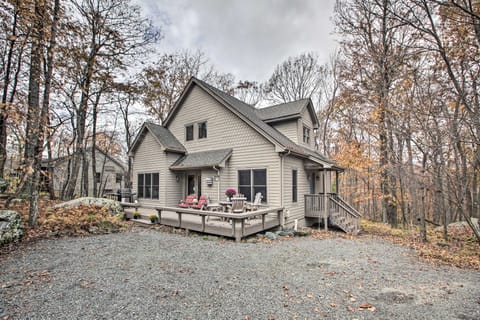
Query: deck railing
[[338, 210], [238, 220]]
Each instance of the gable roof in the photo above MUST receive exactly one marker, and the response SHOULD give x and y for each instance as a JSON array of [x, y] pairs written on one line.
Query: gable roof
[[163, 136], [203, 159], [249, 115], [88, 150], [288, 111]]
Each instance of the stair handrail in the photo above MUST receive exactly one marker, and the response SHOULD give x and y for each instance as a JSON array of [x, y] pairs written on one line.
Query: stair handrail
[[339, 200]]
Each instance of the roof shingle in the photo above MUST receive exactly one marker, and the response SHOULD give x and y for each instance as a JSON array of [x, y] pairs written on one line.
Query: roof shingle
[[165, 137], [203, 159]]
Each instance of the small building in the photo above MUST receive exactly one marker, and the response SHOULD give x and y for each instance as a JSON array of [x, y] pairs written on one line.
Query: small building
[[212, 141], [109, 177]]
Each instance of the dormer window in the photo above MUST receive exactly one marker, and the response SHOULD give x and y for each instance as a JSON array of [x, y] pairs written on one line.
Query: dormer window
[[306, 135], [202, 130], [189, 132]]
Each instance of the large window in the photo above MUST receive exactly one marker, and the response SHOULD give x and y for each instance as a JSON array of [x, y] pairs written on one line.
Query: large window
[[189, 132], [306, 135], [294, 186], [202, 130], [250, 182], [148, 185]]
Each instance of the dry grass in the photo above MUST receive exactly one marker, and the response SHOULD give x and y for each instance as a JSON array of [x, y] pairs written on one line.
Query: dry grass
[[59, 222], [461, 250]]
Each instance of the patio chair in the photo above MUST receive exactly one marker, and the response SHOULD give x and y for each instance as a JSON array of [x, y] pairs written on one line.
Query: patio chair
[[238, 205], [213, 206], [201, 204], [187, 202], [257, 202]]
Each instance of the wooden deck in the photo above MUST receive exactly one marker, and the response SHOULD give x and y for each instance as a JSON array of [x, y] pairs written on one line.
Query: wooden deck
[[232, 225]]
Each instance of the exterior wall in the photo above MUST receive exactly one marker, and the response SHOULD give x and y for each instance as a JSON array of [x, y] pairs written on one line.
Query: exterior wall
[[329, 181], [151, 158], [104, 165], [289, 129], [295, 210], [306, 120], [225, 130]]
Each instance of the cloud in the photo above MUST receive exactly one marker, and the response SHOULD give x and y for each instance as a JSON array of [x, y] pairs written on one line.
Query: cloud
[[247, 38]]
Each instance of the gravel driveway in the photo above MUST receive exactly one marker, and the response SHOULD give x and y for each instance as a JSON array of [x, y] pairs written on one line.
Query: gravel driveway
[[147, 274]]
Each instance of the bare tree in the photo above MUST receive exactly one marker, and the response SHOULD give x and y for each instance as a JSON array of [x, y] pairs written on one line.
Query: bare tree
[[110, 32], [296, 78], [164, 81]]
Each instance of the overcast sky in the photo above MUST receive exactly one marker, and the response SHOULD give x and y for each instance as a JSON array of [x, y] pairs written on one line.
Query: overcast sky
[[247, 38]]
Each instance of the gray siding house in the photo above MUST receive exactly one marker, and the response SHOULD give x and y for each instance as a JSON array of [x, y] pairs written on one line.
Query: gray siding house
[[212, 141], [108, 178]]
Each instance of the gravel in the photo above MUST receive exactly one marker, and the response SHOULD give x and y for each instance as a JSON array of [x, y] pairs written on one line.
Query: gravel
[[147, 274]]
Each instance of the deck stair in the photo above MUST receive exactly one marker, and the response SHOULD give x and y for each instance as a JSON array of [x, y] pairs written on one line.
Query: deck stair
[[340, 213]]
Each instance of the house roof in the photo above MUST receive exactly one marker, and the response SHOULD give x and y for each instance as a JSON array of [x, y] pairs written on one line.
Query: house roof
[[163, 136], [287, 111], [249, 114], [203, 159], [53, 162]]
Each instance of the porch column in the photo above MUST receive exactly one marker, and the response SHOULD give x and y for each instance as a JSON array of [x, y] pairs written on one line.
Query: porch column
[[325, 200], [336, 183]]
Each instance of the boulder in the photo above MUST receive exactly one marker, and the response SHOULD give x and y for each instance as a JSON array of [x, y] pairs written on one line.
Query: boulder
[[271, 235], [3, 185], [10, 226], [460, 224], [111, 205]]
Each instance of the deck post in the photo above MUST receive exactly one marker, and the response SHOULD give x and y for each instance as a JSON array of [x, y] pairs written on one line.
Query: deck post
[[179, 219], [243, 228], [325, 200], [159, 211], [203, 223]]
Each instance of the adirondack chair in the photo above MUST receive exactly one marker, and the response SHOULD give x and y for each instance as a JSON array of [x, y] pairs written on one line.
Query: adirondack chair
[[201, 204], [187, 202], [257, 202], [238, 205]]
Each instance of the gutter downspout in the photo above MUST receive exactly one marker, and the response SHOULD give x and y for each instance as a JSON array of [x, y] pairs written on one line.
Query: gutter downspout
[[218, 182], [282, 175]]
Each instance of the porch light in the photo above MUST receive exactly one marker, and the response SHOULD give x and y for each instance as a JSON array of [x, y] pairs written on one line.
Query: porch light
[[177, 178]]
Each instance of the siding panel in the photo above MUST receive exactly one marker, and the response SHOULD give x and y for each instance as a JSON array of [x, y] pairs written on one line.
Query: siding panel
[[226, 130]]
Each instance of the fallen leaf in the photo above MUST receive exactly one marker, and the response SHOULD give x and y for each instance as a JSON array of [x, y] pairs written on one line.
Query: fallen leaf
[[333, 304], [309, 295], [367, 306], [350, 308]]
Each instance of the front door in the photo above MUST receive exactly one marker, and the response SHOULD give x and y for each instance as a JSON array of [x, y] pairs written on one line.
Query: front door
[[190, 184], [312, 183], [194, 184]]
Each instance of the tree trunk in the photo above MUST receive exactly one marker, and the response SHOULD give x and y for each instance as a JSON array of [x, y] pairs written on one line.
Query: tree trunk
[[33, 138], [6, 84]]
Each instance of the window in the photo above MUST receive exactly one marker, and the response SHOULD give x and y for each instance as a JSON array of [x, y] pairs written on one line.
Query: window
[[306, 135], [202, 130], [118, 178], [148, 185], [189, 133], [98, 177], [250, 182], [294, 186]]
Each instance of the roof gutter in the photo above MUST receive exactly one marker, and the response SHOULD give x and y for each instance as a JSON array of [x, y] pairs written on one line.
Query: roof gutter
[[282, 175], [218, 182]]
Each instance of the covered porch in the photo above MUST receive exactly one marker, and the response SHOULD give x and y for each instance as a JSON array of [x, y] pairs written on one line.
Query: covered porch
[[324, 204]]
